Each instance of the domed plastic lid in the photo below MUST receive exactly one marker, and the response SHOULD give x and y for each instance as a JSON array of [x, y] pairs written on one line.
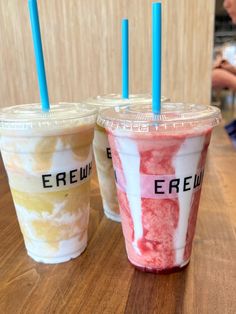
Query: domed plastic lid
[[60, 116], [113, 100], [174, 116]]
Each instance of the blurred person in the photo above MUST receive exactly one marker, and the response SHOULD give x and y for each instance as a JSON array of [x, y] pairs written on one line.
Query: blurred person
[[230, 7], [224, 73]]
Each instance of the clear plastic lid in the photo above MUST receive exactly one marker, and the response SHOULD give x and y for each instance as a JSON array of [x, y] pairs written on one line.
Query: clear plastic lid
[[173, 117], [60, 116], [113, 100]]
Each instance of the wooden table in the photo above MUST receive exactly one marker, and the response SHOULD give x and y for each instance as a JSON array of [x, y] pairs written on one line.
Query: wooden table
[[103, 281]]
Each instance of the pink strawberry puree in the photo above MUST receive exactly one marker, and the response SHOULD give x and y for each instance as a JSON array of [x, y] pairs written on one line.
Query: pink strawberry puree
[[159, 219]]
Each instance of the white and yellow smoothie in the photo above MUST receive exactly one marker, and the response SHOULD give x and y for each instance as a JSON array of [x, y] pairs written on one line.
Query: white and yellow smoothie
[[48, 159]]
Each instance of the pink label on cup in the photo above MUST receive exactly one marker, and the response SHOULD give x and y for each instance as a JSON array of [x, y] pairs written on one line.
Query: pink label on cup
[[163, 186]]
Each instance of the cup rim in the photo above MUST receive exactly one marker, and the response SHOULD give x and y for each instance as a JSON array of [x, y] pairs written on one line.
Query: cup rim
[[31, 116], [173, 116], [113, 100]]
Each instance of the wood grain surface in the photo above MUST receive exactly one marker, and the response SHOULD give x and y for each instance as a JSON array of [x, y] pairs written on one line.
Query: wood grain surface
[[82, 43], [103, 281]]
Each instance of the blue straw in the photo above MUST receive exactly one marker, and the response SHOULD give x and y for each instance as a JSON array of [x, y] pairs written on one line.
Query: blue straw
[[125, 58], [156, 58], [38, 51]]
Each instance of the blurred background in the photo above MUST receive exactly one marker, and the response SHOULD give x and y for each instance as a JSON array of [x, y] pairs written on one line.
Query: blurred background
[[82, 43], [82, 48], [224, 58]]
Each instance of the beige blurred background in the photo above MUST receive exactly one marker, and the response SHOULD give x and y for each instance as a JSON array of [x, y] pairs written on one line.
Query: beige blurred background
[[82, 43]]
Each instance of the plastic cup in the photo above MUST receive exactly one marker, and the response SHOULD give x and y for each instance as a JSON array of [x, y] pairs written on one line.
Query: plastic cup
[[48, 159], [102, 151], [159, 166]]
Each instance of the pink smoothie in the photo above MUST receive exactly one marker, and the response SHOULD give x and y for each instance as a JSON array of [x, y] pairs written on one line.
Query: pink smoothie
[[159, 164], [159, 207]]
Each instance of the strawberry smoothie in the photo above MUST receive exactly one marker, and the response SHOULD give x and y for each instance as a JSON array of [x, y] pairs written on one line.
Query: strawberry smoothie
[[159, 167]]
